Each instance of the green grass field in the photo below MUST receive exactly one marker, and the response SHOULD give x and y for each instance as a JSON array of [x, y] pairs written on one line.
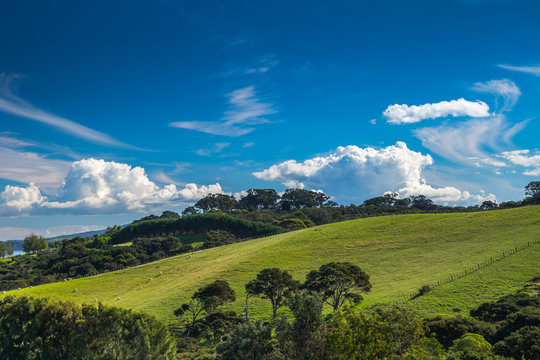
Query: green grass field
[[401, 253]]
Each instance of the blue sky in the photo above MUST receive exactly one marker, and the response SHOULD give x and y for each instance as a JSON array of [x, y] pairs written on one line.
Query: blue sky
[[111, 110]]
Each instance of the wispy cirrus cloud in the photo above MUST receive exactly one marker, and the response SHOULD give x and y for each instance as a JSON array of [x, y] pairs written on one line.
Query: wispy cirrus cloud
[[467, 141], [405, 114], [533, 70], [525, 159], [245, 111], [216, 148], [504, 88], [14, 105], [21, 165]]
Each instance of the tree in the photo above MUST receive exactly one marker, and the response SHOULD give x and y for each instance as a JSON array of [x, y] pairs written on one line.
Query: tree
[[393, 333], [304, 337], [272, 284], [300, 198], [420, 202], [471, 346], [251, 340], [488, 205], [259, 199], [337, 282], [222, 202], [207, 299], [9, 248], [169, 215], [33, 243], [2, 249], [190, 210], [532, 188]]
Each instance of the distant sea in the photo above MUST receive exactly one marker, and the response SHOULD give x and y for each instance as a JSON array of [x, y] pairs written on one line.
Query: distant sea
[[17, 252]]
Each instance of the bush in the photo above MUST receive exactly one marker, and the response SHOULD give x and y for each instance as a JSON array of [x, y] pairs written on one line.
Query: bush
[[42, 329], [218, 238], [424, 289]]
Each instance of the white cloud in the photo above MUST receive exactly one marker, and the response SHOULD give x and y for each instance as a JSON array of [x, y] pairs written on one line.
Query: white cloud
[[534, 70], [217, 148], [11, 104], [467, 140], [27, 166], [405, 114], [505, 88], [96, 186], [353, 174], [246, 110], [523, 158]]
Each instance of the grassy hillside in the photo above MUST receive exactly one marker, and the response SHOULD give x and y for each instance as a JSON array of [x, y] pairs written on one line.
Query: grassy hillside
[[401, 253]]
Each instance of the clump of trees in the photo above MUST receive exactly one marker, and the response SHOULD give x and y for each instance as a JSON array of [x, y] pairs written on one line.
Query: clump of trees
[[33, 243], [508, 327], [82, 257], [43, 329]]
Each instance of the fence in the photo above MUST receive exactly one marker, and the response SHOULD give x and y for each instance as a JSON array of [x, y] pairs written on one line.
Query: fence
[[476, 267]]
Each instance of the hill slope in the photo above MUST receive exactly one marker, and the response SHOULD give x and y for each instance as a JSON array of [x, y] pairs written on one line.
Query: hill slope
[[401, 253]]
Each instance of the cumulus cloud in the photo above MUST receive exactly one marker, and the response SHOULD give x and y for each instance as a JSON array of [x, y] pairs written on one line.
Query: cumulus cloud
[[11, 104], [96, 186], [405, 114], [355, 174], [534, 70], [505, 88], [246, 110], [525, 159]]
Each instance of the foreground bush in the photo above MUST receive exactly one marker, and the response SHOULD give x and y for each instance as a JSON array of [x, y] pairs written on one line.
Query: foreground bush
[[41, 329]]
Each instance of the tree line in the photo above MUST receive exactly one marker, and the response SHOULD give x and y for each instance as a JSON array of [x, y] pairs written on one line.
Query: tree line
[[505, 329]]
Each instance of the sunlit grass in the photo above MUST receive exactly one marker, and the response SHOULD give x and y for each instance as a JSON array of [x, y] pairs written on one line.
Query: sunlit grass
[[401, 253]]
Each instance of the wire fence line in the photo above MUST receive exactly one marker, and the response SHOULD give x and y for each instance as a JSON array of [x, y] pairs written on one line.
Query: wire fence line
[[475, 268]]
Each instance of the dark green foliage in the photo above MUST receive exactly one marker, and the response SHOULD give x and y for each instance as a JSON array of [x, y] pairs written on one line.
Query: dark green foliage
[[206, 300], [79, 257], [200, 223], [2, 249], [521, 344], [471, 347], [532, 188], [249, 341], [33, 243], [502, 308], [259, 199], [300, 198], [218, 238], [304, 337], [41, 329], [273, 284], [393, 333], [512, 323], [488, 205], [222, 202], [337, 282], [448, 329], [214, 295], [215, 325], [290, 223], [424, 289]]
